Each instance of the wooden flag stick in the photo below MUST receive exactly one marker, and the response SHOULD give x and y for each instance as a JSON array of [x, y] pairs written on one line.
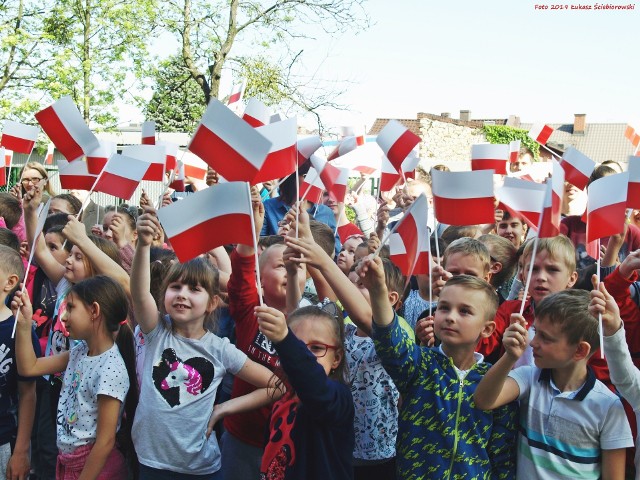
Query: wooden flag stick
[[255, 250], [600, 330]]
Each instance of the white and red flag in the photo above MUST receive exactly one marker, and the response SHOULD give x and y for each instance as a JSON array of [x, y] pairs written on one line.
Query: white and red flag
[[148, 133], [256, 113], [551, 215], [3, 169], [463, 198], [633, 191], [346, 145], [397, 141], [487, 156], [577, 167], [155, 155], [171, 149], [367, 159], [215, 216], [333, 178], [194, 166], [66, 128], [523, 199], [237, 92], [18, 137], [312, 187], [121, 176], [98, 157], [389, 176], [178, 183], [229, 145], [541, 133], [282, 159], [7, 155], [75, 175], [48, 159], [409, 244], [631, 135], [606, 206], [514, 151], [307, 146]]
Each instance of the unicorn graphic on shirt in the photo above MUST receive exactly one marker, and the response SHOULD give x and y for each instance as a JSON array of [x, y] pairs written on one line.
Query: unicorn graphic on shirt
[[180, 381]]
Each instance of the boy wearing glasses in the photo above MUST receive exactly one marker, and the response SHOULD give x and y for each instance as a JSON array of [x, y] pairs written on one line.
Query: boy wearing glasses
[[441, 434]]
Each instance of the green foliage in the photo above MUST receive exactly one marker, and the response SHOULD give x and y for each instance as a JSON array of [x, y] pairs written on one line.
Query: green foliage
[[177, 103], [501, 134], [265, 80]]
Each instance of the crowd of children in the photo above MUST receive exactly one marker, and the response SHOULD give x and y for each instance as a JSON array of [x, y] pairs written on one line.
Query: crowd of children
[[318, 360]]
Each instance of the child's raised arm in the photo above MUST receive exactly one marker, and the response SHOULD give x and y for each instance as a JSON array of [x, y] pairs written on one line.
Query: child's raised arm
[[144, 306], [29, 365], [497, 388], [371, 271]]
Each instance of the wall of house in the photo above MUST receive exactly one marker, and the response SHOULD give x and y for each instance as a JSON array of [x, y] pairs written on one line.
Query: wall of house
[[444, 142]]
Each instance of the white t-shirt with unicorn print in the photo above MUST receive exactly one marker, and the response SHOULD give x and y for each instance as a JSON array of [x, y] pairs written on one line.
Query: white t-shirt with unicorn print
[[179, 383]]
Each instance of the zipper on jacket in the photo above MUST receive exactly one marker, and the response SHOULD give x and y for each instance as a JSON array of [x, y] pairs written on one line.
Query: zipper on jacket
[[456, 432]]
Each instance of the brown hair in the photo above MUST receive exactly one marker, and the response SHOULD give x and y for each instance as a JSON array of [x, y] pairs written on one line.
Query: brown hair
[[570, 310], [10, 209], [503, 251], [11, 262], [196, 272], [110, 249], [471, 247], [393, 277], [479, 285], [73, 201], [453, 233], [323, 236]]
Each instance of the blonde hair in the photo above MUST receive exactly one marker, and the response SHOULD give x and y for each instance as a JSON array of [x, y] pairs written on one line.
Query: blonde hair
[[468, 246], [42, 171], [559, 248]]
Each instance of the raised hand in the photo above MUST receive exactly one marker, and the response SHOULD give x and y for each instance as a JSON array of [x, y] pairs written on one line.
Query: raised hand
[[272, 323], [425, 332], [148, 227], [515, 337], [602, 303]]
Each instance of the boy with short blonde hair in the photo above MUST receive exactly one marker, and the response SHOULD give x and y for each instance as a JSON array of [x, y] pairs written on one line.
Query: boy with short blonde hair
[[572, 425]]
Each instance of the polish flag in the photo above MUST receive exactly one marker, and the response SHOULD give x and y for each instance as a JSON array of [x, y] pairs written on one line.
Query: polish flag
[[215, 216], [282, 158], [632, 136], [367, 159], [523, 199], [397, 141], [409, 244], [230, 145], [346, 145], [194, 166], [66, 128], [277, 117], [307, 146], [486, 156], [312, 187], [48, 159], [155, 155], [3, 169], [514, 151], [121, 176], [551, 215], [97, 158], [18, 137], [171, 150], [334, 178], [463, 198], [633, 192], [8, 157], [389, 176], [256, 113], [237, 92], [541, 133], [606, 205], [148, 133], [75, 175], [178, 183], [577, 167]]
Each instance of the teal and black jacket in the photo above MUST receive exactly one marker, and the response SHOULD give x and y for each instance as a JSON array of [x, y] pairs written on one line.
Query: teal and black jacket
[[441, 434]]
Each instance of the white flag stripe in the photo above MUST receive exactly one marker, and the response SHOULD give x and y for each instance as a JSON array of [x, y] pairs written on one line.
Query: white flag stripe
[[204, 206], [75, 125], [281, 134], [77, 167], [126, 167], [579, 161], [396, 245], [258, 110], [170, 148], [462, 185], [148, 153], [309, 145], [608, 190], [104, 150], [313, 178], [20, 130], [522, 195], [557, 178], [482, 151], [389, 134], [634, 169], [239, 135]]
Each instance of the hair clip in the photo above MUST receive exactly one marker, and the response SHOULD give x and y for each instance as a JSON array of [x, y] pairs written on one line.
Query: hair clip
[[123, 322]]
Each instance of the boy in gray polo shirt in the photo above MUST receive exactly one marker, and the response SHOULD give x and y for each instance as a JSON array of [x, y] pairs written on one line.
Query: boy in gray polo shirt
[[571, 424]]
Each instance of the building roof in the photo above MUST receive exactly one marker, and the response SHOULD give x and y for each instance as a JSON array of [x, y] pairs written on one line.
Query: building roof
[[600, 141], [412, 124]]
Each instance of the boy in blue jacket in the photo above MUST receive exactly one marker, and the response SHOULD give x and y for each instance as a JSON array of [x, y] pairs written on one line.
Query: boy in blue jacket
[[441, 434]]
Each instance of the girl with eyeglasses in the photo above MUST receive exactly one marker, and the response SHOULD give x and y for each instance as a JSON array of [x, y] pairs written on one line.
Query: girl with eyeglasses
[[32, 175], [311, 431]]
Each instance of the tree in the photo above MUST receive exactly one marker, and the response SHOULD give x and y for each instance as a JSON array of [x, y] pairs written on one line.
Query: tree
[[99, 52], [177, 103], [208, 30]]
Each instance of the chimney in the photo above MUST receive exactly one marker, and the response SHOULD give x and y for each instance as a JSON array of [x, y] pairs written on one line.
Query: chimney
[[579, 123], [465, 115], [445, 114]]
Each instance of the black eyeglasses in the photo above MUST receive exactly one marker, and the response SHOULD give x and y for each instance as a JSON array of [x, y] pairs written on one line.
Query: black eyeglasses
[[32, 181]]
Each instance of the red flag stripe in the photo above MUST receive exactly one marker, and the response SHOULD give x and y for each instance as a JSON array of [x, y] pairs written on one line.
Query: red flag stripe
[[464, 211], [155, 173], [402, 147], [148, 140], [500, 166], [65, 143], [573, 175], [633, 195], [116, 185], [17, 144], [254, 122], [95, 165], [76, 182], [606, 221], [277, 165]]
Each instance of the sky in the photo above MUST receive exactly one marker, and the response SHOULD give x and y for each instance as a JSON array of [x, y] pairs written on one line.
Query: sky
[[495, 58]]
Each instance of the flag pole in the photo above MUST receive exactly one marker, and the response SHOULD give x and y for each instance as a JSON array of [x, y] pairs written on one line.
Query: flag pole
[[533, 257], [600, 330], [298, 196], [255, 249], [435, 236]]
